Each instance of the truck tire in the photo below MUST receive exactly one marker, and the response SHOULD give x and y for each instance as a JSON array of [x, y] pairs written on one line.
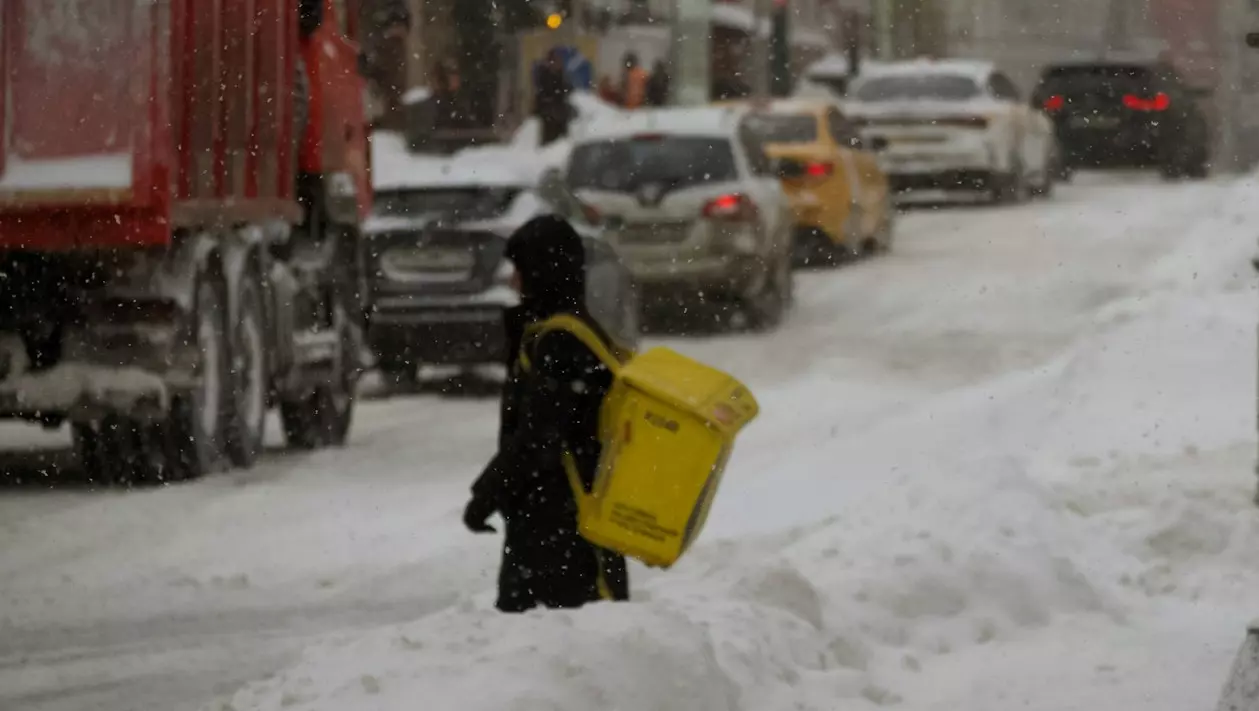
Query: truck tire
[[104, 452], [121, 452], [198, 418], [190, 442], [251, 381], [323, 418]]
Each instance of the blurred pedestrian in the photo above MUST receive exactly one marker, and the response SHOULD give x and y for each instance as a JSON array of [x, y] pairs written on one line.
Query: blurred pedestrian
[[448, 104], [726, 87], [388, 24], [633, 82], [658, 85], [550, 97], [549, 408]]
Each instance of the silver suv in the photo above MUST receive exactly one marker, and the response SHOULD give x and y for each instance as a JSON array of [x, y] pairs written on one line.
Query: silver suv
[[693, 205]]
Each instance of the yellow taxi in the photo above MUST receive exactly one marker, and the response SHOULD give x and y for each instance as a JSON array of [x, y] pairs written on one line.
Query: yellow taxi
[[842, 201]]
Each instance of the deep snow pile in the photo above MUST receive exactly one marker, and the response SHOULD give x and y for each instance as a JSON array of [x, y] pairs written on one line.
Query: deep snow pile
[[1078, 535]]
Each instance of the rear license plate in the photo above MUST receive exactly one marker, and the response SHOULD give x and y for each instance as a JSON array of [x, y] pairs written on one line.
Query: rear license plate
[[655, 233], [442, 261], [1095, 122], [915, 140]]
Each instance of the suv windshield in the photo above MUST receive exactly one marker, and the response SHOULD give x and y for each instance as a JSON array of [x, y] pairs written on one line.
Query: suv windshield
[[628, 164], [938, 87], [460, 203], [783, 128]]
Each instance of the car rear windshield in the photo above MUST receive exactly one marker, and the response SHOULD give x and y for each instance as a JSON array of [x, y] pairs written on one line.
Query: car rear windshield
[[783, 128], [461, 203], [936, 87], [626, 165], [1099, 77]]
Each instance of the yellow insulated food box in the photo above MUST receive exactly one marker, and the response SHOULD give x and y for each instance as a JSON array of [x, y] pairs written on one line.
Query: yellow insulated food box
[[668, 426]]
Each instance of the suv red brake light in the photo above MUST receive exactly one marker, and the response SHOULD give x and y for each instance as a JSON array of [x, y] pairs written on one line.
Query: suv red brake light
[[734, 207], [1160, 102], [1057, 102]]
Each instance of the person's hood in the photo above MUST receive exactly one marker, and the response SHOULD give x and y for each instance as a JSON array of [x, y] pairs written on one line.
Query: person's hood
[[551, 261]]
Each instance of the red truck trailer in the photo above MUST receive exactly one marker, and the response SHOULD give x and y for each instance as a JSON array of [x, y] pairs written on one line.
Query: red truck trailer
[[181, 188]]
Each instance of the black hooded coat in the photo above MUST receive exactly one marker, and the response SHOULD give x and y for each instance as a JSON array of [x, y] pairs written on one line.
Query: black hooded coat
[[550, 408]]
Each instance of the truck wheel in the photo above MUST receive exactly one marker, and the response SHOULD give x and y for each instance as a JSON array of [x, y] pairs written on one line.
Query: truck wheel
[[197, 423], [99, 451], [122, 452], [323, 417], [250, 380]]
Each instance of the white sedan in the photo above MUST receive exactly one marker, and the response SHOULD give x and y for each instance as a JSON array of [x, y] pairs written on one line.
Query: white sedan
[[954, 127]]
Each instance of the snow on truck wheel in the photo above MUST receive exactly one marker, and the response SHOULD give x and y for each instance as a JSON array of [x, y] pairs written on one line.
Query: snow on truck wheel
[[322, 417], [250, 376], [199, 417]]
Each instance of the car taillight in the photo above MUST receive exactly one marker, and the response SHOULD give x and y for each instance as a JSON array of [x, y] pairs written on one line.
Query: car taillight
[[1057, 102], [734, 207], [823, 169], [1160, 102]]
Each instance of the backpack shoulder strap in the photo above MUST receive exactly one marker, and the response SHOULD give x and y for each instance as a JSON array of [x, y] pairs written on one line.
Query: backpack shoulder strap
[[610, 358]]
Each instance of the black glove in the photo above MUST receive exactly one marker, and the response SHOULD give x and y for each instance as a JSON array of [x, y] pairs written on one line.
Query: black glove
[[475, 515]]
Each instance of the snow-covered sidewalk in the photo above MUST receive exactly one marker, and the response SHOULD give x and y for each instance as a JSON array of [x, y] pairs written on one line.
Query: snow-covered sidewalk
[[1006, 466], [1075, 534]]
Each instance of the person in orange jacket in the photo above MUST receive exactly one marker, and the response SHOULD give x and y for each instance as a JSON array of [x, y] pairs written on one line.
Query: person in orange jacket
[[634, 83]]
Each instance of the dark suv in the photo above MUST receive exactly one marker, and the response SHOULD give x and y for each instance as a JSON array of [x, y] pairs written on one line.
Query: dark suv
[[1112, 114]]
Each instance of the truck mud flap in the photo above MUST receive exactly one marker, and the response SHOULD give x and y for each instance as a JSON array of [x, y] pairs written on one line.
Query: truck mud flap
[[1241, 691]]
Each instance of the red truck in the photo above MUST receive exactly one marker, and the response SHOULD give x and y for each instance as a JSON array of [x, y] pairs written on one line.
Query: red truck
[[181, 188]]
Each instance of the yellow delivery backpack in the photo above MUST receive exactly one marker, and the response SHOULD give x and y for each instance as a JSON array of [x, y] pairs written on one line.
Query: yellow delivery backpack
[[667, 427]]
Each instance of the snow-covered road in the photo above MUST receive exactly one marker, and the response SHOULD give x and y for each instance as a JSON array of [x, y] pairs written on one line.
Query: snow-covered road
[[1005, 466]]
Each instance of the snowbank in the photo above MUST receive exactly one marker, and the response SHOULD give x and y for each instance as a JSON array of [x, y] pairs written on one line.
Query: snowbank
[[1074, 535]]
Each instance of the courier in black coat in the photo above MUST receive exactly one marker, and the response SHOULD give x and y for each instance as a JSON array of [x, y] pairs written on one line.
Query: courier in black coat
[[552, 407]]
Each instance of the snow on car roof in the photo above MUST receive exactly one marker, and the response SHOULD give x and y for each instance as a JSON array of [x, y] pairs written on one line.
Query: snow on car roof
[[395, 167], [800, 105], [699, 121], [733, 17], [977, 69], [832, 65], [789, 105]]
